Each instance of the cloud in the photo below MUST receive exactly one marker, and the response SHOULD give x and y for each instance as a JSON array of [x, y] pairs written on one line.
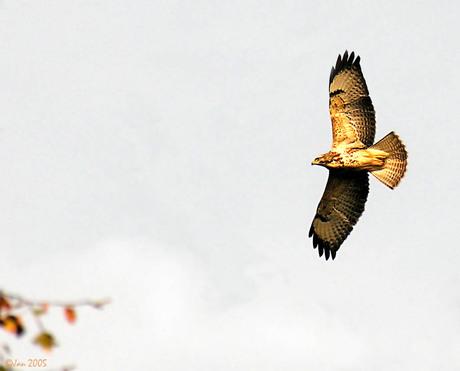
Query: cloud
[[164, 305]]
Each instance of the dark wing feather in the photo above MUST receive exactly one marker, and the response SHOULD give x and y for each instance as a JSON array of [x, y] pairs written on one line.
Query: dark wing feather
[[339, 209], [351, 109]]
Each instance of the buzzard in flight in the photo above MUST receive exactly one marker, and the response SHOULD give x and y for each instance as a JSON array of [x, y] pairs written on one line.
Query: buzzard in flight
[[352, 156]]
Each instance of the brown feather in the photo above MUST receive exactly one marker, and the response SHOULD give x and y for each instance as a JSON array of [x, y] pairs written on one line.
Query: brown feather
[[352, 112], [339, 209]]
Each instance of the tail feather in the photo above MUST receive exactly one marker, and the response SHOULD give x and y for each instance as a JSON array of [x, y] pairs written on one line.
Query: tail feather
[[395, 164]]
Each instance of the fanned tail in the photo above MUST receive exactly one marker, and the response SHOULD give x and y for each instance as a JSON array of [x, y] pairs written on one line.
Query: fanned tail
[[395, 164]]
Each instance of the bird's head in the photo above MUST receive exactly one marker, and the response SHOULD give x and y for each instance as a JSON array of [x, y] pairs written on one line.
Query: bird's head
[[322, 160]]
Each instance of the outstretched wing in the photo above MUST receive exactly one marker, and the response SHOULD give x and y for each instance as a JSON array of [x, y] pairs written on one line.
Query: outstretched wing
[[352, 112], [339, 209]]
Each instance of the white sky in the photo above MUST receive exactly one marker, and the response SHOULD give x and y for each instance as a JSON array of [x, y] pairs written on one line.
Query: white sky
[[158, 153]]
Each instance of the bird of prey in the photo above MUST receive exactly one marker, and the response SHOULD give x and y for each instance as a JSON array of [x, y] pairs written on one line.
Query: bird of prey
[[352, 156]]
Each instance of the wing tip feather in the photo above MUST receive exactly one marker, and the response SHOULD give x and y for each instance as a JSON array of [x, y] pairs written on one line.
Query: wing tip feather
[[347, 60], [323, 246]]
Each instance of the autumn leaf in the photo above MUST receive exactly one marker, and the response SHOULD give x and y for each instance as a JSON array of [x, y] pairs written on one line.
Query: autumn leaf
[[46, 341], [4, 304], [13, 324], [70, 314], [39, 310], [44, 307]]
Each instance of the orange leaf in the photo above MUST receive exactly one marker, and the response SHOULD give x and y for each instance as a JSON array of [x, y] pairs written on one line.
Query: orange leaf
[[13, 324], [70, 314], [46, 341], [44, 307]]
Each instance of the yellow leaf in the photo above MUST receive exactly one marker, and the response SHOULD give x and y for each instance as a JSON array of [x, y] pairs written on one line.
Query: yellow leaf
[[46, 341]]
